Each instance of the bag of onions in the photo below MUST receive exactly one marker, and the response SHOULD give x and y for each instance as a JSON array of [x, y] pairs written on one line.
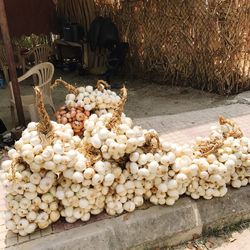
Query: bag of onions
[[74, 116]]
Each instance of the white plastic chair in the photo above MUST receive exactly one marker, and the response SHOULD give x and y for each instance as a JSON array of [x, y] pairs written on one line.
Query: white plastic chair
[[44, 73], [36, 55]]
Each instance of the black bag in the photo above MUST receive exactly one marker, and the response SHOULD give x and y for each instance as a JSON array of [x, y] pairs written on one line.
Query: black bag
[[109, 35], [94, 32], [103, 33]]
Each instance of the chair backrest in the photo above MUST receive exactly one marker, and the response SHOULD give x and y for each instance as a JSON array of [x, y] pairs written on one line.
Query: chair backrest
[[41, 53], [44, 72]]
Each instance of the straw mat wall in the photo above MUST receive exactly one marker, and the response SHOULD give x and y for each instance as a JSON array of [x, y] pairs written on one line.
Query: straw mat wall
[[200, 43], [205, 44]]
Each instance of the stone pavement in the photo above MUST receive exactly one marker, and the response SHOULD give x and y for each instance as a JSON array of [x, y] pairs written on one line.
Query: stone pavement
[[184, 127], [240, 241], [179, 128], [243, 97]]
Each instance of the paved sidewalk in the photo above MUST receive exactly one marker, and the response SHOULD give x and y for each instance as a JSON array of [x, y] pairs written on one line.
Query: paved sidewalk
[[184, 127], [180, 128], [240, 241]]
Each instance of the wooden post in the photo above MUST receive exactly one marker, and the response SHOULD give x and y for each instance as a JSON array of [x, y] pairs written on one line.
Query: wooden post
[[11, 63]]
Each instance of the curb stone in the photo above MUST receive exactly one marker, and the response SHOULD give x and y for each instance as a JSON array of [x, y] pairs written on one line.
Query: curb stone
[[221, 212], [157, 226]]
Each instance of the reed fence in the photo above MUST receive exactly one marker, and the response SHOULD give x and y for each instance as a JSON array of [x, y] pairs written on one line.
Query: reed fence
[[200, 43]]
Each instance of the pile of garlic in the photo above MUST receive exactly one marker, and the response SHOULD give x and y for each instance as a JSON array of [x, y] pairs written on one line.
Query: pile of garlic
[[113, 144], [163, 174], [100, 100], [83, 101], [82, 190], [125, 194], [227, 165], [241, 151], [44, 150], [115, 167], [83, 193], [31, 200], [55, 156], [31, 184]]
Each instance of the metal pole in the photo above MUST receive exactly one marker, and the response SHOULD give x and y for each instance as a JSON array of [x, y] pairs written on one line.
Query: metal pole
[[11, 63]]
